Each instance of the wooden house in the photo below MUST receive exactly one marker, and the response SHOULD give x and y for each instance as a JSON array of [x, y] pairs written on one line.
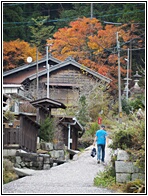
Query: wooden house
[[68, 80], [68, 128], [22, 133], [71, 131]]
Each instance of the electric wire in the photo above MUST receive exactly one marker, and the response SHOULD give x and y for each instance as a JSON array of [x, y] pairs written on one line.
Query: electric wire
[[66, 19]]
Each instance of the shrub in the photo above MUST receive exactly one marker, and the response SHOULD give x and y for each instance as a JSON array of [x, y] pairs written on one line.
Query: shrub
[[8, 171], [132, 139], [137, 103], [121, 139], [105, 178], [9, 115]]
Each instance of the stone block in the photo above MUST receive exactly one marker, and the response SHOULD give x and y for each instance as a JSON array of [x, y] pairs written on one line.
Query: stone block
[[9, 152], [24, 172], [46, 146], [59, 146], [75, 157], [124, 167], [46, 166], [59, 153], [52, 153], [123, 177], [29, 158], [122, 155], [22, 164], [17, 165], [18, 160], [37, 165], [46, 160], [40, 159], [138, 176]]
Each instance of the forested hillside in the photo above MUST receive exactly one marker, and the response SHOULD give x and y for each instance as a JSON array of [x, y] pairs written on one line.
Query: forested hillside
[[85, 31], [17, 17]]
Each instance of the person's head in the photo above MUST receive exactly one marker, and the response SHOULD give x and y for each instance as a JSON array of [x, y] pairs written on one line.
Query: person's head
[[103, 126]]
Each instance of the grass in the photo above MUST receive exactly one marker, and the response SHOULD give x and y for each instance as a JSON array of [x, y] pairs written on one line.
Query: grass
[[105, 178]]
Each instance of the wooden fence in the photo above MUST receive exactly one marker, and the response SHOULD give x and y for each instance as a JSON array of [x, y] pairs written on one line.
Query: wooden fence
[[23, 137]]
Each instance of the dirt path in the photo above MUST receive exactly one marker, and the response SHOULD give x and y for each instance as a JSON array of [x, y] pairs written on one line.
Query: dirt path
[[75, 176]]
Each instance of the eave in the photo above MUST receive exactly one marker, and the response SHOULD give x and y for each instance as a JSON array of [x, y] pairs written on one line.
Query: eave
[[71, 61]]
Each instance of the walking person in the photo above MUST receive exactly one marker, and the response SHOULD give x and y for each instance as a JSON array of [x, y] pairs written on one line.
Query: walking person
[[100, 138]]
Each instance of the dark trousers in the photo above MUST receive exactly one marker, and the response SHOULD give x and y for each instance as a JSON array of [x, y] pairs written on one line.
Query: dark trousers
[[101, 150]]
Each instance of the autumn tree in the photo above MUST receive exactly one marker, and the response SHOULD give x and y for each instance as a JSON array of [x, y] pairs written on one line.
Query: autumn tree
[[88, 43], [94, 45], [15, 54]]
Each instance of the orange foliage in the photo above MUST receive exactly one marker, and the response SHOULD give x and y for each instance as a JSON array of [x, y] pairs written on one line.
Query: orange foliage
[[95, 46], [15, 53]]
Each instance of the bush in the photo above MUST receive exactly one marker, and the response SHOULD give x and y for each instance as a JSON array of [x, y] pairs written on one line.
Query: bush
[[137, 103], [121, 139], [92, 129], [132, 139], [8, 171]]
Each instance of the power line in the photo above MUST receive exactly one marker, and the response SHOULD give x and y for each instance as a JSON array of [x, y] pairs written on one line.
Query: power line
[[134, 49], [66, 19], [120, 23]]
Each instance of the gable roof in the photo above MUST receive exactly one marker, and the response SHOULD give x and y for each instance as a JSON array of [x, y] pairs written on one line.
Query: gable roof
[[47, 103], [71, 61], [29, 65], [73, 122]]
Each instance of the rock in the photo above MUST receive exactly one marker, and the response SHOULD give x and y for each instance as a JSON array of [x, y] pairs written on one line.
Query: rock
[[24, 172], [122, 155], [59, 146], [75, 157], [18, 160], [40, 151], [138, 176], [46, 146], [46, 166], [122, 178], [124, 167]]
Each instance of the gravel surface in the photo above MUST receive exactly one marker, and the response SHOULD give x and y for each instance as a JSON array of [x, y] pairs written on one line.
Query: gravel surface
[[74, 176]]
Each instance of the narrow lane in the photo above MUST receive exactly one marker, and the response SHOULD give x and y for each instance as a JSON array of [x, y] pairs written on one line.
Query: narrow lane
[[75, 176]]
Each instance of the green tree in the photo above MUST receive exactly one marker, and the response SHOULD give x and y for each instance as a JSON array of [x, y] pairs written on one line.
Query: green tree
[[40, 32], [12, 23], [83, 115], [47, 130]]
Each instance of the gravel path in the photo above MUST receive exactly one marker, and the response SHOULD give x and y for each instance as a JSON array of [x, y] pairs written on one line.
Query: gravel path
[[75, 176]]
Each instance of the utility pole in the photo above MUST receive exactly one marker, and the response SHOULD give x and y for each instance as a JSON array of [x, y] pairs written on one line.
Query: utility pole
[[47, 67], [119, 80], [127, 73], [130, 65], [37, 71]]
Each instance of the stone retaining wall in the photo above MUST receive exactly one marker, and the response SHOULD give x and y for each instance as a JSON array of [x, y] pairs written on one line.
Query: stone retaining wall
[[46, 156], [125, 169]]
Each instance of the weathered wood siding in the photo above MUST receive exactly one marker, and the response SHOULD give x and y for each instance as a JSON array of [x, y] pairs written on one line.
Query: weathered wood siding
[[25, 137], [66, 85]]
